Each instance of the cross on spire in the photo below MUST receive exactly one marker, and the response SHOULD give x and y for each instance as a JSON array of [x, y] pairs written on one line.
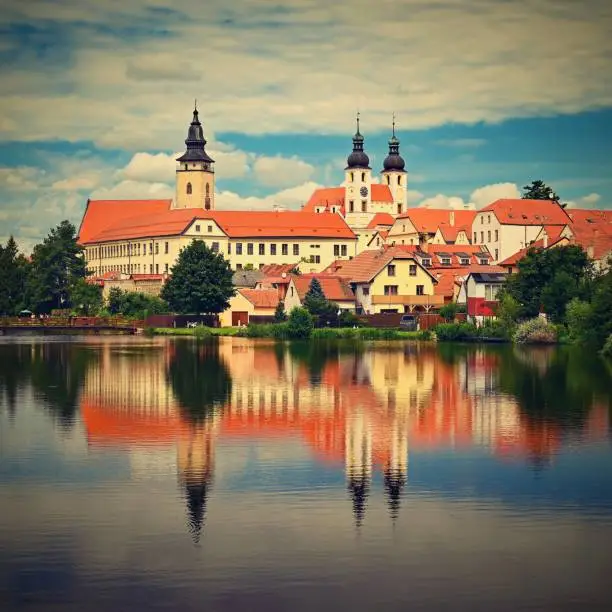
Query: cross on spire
[[195, 104], [358, 115], [393, 124]]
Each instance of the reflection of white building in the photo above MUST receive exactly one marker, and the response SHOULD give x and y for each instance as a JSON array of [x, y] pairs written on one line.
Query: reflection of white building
[[358, 463]]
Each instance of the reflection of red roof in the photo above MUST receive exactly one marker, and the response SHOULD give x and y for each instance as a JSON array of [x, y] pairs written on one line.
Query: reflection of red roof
[[335, 288], [528, 212], [261, 298]]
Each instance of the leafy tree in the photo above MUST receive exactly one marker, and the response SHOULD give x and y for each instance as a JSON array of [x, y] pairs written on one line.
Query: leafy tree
[[317, 304], [448, 311], [57, 263], [578, 316], [201, 281], [550, 278], [13, 276], [134, 304], [508, 309], [86, 298], [299, 325], [279, 314], [601, 305], [538, 190]]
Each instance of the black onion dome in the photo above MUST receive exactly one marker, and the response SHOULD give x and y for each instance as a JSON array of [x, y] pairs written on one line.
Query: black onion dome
[[195, 143], [358, 158], [394, 161]]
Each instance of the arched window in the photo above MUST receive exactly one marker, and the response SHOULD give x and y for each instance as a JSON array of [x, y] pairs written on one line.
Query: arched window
[[363, 177], [188, 188], [207, 189], [388, 180], [399, 180], [351, 177]]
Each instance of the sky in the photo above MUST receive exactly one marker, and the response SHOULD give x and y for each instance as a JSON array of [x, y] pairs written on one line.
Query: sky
[[488, 95]]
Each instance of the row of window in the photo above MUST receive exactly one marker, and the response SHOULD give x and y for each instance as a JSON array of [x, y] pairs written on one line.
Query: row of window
[[482, 218], [130, 269], [488, 236], [130, 249], [393, 290]]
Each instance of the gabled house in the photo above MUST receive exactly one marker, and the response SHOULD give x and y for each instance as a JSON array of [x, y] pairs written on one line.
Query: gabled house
[[479, 294], [508, 225], [335, 288], [389, 280], [248, 303], [419, 226]]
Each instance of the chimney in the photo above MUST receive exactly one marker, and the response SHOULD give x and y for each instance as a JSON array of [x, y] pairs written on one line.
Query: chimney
[[452, 218], [425, 247]]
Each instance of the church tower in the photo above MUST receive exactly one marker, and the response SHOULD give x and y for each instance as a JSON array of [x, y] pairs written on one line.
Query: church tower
[[394, 175], [358, 179], [195, 175], [358, 464]]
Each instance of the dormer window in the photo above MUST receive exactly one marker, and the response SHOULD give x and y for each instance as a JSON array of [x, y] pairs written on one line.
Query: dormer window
[[189, 189], [483, 262], [426, 262], [446, 261], [465, 261]]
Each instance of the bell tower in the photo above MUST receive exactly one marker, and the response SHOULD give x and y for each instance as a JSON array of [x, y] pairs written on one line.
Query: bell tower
[[195, 175], [394, 175], [358, 178]]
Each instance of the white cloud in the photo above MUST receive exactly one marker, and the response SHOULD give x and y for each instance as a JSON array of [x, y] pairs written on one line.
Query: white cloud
[[281, 171], [267, 72], [483, 196], [137, 190], [77, 183], [587, 201], [442, 201], [414, 196], [463, 143], [291, 198], [149, 167]]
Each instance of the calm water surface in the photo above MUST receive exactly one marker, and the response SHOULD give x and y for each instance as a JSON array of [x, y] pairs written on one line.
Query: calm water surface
[[170, 474]]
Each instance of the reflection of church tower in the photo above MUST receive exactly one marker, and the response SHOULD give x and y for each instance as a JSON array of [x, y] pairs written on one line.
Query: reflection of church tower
[[358, 458], [196, 468], [396, 469]]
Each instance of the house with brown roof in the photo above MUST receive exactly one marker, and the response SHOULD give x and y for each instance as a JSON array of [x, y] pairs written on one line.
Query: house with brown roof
[[249, 303], [335, 288], [389, 280], [419, 226], [508, 225]]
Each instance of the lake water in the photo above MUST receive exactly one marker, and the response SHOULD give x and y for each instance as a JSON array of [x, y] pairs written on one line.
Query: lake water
[[154, 474]]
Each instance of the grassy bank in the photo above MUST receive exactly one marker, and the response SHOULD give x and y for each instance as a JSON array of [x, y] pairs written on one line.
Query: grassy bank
[[278, 331]]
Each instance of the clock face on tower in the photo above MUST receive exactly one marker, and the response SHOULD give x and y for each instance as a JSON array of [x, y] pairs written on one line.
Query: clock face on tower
[[363, 191]]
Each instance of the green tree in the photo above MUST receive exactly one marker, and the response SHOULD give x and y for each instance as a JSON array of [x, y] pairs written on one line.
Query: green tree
[[134, 304], [448, 311], [299, 325], [601, 305], [280, 316], [317, 304], [201, 281], [508, 309], [86, 298], [13, 276], [57, 263], [538, 190], [578, 316], [550, 278]]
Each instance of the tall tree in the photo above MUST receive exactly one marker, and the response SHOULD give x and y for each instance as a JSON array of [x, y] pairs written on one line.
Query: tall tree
[[317, 304], [13, 274], [57, 264], [550, 278], [538, 190], [85, 297], [200, 282]]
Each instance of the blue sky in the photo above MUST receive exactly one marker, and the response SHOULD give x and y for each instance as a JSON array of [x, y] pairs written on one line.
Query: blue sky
[[97, 97]]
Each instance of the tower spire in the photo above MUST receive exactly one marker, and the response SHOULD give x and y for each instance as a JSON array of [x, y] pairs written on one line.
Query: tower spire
[[394, 160], [358, 158], [394, 125]]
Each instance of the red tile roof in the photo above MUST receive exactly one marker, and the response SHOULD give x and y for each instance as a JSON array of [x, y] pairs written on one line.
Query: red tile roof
[[592, 230], [335, 288], [145, 220], [428, 220], [449, 277], [261, 298], [528, 212], [103, 214], [514, 259], [278, 269], [334, 196], [381, 219]]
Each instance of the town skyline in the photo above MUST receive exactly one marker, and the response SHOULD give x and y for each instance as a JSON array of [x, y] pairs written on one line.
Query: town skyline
[[100, 97]]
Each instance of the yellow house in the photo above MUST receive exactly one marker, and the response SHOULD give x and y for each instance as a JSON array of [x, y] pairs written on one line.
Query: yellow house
[[248, 303], [419, 226], [389, 280]]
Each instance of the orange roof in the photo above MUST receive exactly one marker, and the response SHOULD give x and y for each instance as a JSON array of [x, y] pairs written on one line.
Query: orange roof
[[335, 196], [278, 269], [514, 259], [428, 220], [528, 212], [335, 288], [449, 277], [381, 219], [148, 221], [261, 298], [366, 265], [592, 230], [102, 214]]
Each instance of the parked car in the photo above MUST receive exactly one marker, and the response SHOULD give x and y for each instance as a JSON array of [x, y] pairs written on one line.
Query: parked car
[[409, 322]]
